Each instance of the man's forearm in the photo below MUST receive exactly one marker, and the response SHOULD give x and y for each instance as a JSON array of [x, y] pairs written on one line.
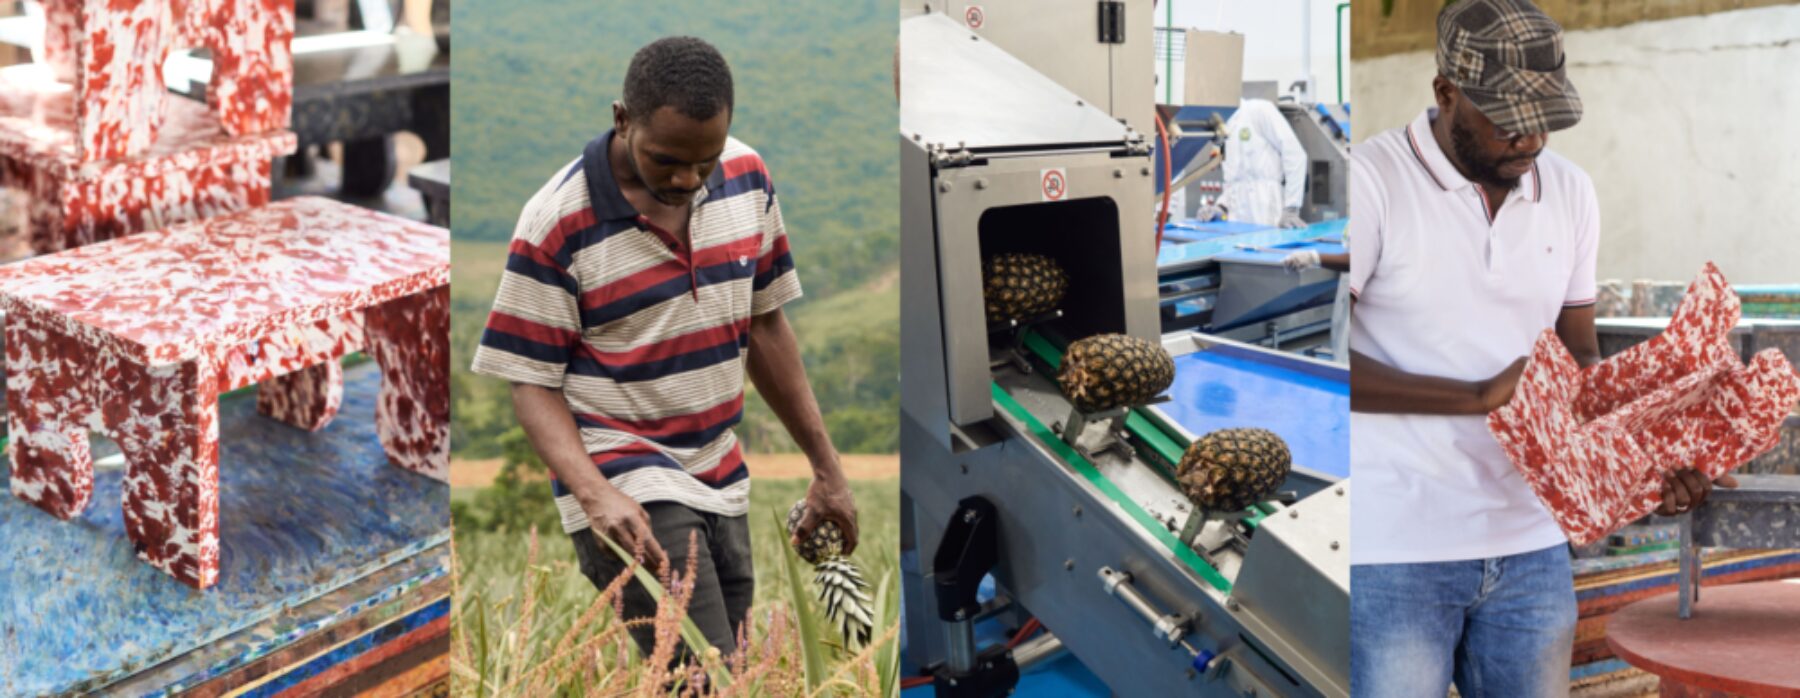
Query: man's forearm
[[1378, 387], [774, 367], [550, 426], [1336, 262]]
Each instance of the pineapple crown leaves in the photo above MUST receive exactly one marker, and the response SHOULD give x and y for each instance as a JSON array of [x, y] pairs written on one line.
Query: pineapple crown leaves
[[842, 589]]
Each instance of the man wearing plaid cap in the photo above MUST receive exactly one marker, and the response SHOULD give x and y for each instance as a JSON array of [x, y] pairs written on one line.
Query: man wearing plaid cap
[[1467, 239]]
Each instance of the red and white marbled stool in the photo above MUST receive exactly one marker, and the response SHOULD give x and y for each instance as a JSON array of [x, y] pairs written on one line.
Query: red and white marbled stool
[[137, 337], [104, 150]]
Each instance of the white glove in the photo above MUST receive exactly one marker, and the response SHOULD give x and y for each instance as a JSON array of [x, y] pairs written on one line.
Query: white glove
[[1301, 260], [1208, 213], [1290, 218]]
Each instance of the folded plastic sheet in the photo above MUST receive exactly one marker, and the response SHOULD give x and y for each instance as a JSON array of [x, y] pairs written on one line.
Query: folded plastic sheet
[[1595, 444]]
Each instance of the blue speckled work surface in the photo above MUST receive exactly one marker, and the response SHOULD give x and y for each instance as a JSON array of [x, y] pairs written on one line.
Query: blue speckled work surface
[[1196, 243], [300, 514], [1217, 389]]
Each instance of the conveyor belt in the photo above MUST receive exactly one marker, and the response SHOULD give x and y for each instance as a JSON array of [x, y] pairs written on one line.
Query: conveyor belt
[[1160, 447]]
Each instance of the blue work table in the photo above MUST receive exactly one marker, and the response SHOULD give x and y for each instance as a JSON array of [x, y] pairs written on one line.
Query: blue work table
[[1224, 387]]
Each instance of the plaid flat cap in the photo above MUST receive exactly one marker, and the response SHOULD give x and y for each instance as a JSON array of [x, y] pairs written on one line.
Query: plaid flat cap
[[1507, 56]]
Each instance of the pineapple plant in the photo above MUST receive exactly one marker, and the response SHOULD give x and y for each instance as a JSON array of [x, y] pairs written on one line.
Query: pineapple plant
[[1113, 370], [1230, 469], [1019, 286], [840, 584]]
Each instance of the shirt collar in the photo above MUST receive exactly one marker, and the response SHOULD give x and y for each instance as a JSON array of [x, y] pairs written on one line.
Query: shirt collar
[[603, 191], [1437, 165]]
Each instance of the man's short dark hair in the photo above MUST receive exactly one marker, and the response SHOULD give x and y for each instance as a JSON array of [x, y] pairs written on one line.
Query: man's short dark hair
[[681, 72]]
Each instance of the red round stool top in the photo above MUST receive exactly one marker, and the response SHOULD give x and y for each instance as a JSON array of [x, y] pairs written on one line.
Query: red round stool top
[[1742, 639]]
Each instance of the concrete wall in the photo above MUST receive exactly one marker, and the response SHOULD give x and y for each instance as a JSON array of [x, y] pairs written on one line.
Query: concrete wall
[[1688, 134], [1410, 25]]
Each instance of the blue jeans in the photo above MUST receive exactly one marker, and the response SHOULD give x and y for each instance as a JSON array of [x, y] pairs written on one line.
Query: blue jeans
[[1498, 627]]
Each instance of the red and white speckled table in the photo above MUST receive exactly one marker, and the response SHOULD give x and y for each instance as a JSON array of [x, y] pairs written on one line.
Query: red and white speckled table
[[104, 150], [1594, 444], [137, 337]]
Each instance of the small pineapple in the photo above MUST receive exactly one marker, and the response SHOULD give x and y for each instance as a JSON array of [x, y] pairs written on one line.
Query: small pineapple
[[1230, 469], [1111, 370], [841, 586], [1020, 286]]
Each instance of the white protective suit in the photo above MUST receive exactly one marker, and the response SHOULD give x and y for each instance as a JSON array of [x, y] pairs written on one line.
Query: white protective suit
[[1265, 166]]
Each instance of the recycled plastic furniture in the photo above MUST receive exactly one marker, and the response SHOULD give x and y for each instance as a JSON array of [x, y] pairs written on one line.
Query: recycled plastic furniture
[[137, 337], [1595, 443], [102, 148]]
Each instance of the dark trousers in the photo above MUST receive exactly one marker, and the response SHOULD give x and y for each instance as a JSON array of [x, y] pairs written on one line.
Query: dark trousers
[[724, 582]]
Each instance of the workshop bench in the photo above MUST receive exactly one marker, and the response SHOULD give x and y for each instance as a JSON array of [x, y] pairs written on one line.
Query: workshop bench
[[137, 337]]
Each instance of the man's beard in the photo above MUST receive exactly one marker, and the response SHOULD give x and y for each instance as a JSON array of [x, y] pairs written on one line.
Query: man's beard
[[1479, 170]]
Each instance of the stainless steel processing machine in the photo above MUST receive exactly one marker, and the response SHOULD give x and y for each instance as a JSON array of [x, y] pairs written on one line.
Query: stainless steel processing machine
[[1076, 516]]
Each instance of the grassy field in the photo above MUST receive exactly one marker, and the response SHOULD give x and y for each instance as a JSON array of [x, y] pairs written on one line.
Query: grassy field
[[527, 622]]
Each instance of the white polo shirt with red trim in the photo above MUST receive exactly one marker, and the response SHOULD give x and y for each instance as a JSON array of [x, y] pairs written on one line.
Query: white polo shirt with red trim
[[1446, 287], [644, 337]]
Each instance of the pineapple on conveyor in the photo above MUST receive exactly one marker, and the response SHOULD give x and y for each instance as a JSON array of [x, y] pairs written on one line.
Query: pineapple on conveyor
[[1019, 286], [840, 583], [1231, 469], [1114, 370]]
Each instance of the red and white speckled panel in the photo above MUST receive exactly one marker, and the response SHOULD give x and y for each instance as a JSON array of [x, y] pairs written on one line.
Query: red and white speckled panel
[[410, 338], [193, 170], [47, 420], [61, 18], [298, 377], [1595, 444], [164, 418], [253, 69], [307, 398], [173, 294], [118, 50], [137, 337]]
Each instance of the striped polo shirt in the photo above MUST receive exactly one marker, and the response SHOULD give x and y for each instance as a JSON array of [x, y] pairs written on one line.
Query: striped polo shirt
[[645, 340]]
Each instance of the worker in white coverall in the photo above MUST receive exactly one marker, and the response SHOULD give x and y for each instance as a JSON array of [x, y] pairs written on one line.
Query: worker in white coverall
[[1265, 169]]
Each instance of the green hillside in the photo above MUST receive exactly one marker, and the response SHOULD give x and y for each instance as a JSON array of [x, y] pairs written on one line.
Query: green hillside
[[814, 96]]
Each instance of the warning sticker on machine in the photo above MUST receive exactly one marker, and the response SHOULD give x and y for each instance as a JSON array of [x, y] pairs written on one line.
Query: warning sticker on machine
[[975, 16], [1055, 184]]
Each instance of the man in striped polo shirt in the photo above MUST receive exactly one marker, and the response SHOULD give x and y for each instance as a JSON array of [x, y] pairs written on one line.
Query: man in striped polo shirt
[[644, 281]]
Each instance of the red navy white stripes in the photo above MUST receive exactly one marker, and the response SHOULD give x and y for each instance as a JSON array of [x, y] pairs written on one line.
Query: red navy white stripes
[[645, 341]]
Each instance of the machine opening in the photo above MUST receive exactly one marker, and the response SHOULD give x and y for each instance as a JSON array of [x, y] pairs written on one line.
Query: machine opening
[[1082, 235]]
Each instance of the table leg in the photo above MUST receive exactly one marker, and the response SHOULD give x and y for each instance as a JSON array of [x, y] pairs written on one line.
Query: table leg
[[166, 420], [410, 339], [307, 398], [46, 404]]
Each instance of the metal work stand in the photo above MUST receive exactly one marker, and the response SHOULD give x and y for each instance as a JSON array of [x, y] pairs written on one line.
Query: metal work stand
[[1762, 512]]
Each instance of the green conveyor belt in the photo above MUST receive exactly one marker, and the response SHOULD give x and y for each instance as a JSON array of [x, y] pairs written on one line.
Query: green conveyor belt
[[1069, 455]]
